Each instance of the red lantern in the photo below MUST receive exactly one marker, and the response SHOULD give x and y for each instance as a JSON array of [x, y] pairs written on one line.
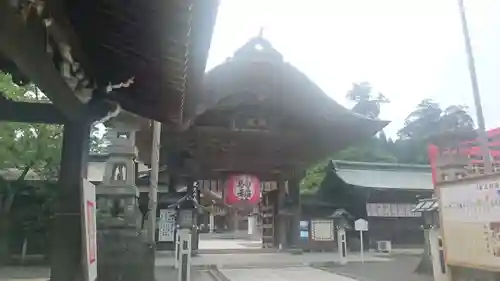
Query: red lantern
[[242, 190]]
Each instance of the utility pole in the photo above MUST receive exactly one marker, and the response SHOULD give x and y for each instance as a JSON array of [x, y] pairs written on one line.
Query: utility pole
[[153, 181], [482, 136]]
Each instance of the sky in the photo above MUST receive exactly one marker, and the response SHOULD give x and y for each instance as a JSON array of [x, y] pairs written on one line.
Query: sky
[[407, 49]]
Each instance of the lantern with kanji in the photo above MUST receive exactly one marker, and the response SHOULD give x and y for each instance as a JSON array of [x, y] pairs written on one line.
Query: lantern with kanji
[[242, 190]]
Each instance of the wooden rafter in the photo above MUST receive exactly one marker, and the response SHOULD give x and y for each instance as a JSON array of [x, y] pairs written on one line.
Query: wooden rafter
[[62, 30], [27, 51]]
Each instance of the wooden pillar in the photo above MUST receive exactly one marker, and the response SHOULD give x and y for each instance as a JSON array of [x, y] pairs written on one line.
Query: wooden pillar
[[281, 216], [66, 256], [294, 193], [194, 233]]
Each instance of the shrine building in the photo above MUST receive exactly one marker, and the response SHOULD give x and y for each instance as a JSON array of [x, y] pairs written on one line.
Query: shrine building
[[256, 115]]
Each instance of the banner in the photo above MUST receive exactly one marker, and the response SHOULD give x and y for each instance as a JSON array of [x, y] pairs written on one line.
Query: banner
[[89, 230], [242, 190]]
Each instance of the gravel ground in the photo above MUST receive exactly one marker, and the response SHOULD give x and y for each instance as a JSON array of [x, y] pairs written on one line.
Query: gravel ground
[[401, 268]]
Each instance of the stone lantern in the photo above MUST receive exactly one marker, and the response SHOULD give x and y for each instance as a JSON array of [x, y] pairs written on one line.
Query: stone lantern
[[343, 221], [124, 253], [117, 195]]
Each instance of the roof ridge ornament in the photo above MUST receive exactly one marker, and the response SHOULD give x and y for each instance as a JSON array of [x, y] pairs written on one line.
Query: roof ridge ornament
[[258, 47], [261, 32]]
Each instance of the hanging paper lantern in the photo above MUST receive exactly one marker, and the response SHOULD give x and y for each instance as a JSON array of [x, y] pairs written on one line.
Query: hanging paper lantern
[[242, 190]]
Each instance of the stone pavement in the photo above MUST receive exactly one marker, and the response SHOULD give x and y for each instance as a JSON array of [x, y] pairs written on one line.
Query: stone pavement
[[282, 274], [264, 259], [164, 273], [400, 268], [229, 244], [29, 273]]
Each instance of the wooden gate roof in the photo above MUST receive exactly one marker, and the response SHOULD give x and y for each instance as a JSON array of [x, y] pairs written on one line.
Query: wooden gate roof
[[257, 75], [161, 44], [259, 69]]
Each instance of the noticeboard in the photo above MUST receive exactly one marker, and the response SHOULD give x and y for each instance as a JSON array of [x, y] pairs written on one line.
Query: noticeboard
[[166, 225], [470, 211]]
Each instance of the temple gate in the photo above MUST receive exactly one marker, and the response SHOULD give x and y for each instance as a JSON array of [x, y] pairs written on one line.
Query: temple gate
[[257, 115]]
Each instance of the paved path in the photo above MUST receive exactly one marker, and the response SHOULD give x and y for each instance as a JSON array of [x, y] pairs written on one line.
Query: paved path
[[229, 244], [282, 274], [264, 259], [31, 273], [42, 274], [169, 274], [400, 268]]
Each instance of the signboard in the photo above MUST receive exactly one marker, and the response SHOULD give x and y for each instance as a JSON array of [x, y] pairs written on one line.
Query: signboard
[[166, 225], [361, 225], [391, 210], [242, 190], [304, 229], [470, 211], [322, 230], [89, 230]]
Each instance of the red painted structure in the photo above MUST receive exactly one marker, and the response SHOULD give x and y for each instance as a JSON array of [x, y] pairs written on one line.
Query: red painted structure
[[472, 150]]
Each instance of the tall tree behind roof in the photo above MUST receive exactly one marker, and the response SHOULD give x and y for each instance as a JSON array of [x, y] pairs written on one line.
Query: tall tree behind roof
[[429, 120], [367, 102]]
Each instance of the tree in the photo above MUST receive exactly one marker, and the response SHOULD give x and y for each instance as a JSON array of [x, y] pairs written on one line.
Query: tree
[[313, 178], [375, 149], [429, 120], [97, 142], [29, 150], [367, 102], [25, 149]]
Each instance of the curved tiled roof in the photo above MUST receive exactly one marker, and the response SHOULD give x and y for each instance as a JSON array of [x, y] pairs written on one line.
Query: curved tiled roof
[[259, 69]]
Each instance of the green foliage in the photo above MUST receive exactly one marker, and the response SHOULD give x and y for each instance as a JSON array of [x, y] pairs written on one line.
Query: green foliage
[[28, 147], [429, 120], [424, 123], [28, 151], [313, 178]]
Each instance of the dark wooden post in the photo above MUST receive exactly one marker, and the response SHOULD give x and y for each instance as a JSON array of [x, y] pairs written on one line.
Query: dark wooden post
[[67, 249], [281, 217], [190, 182], [294, 190]]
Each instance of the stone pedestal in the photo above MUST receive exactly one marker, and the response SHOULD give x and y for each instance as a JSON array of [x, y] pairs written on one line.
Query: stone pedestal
[[211, 222], [252, 225], [342, 246], [124, 255]]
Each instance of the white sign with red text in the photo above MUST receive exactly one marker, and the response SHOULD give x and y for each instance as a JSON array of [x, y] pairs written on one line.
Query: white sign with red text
[[89, 230]]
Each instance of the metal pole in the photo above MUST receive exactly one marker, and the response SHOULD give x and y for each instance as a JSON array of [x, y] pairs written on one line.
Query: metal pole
[[483, 138], [153, 181]]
